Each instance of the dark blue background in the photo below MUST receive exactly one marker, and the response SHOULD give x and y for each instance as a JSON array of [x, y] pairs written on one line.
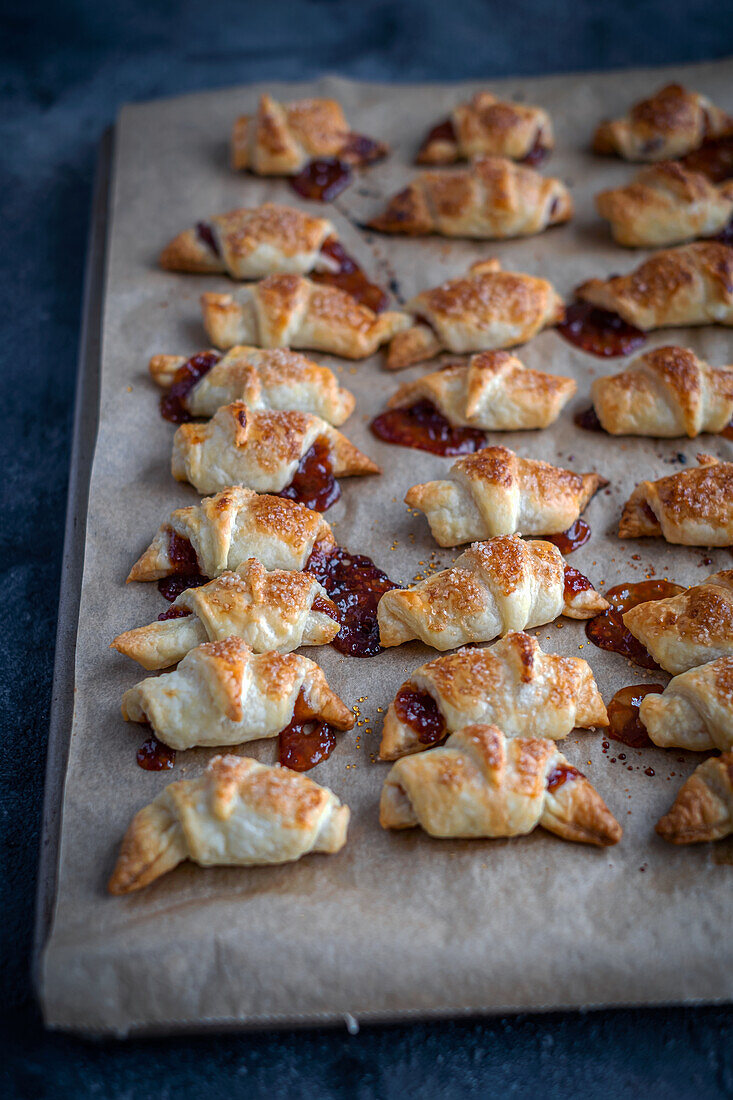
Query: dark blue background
[[66, 67]]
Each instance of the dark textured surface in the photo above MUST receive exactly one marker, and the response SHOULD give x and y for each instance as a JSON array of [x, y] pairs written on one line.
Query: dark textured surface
[[66, 67]]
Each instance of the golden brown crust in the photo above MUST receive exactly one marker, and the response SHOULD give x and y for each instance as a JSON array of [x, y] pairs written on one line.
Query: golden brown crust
[[695, 710], [670, 123], [488, 125], [693, 507], [703, 809]]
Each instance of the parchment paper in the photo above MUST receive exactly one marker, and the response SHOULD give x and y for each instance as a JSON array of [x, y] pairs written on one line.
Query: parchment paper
[[397, 923]]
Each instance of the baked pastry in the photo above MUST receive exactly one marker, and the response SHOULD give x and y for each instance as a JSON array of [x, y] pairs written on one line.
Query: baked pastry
[[495, 492], [272, 379], [223, 693], [282, 137], [262, 450], [703, 808], [238, 813], [689, 285], [670, 123], [493, 587], [493, 199], [488, 308], [222, 531], [666, 392], [689, 629], [490, 125], [666, 204], [291, 311], [511, 684], [695, 710], [693, 507], [483, 784], [276, 611], [493, 390]]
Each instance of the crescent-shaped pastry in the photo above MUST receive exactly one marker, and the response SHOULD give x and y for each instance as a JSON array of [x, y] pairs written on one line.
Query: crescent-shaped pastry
[[222, 693], [689, 285], [703, 808], [511, 684], [291, 311], [492, 200], [666, 204], [261, 450], [487, 309], [495, 492], [483, 784], [282, 137], [222, 531], [666, 392], [273, 379], [493, 390], [238, 813], [669, 124], [277, 611], [690, 629], [693, 507], [695, 710], [490, 125], [492, 588]]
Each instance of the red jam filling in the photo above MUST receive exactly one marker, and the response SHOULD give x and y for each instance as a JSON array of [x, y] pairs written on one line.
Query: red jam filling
[[355, 585], [576, 535], [560, 774], [302, 745], [173, 404], [184, 568], [418, 710], [313, 482], [322, 179], [588, 420], [444, 131], [714, 159], [349, 277], [537, 154], [205, 233], [173, 613], [154, 756], [623, 715], [424, 428], [599, 332], [360, 149], [575, 582], [607, 630]]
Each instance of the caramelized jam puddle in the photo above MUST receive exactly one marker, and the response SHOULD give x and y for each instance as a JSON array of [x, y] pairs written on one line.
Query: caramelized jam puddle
[[607, 630]]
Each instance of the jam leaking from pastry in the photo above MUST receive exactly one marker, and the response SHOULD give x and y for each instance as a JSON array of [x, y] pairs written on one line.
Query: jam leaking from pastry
[[726, 234], [444, 131], [607, 630], [537, 154], [313, 482], [344, 272], [599, 332], [624, 724], [424, 428], [205, 233], [575, 582], [302, 745], [576, 535], [418, 710], [560, 774], [727, 431], [322, 179], [154, 756], [173, 613], [588, 420], [184, 568], [714, 159], [173, 404]]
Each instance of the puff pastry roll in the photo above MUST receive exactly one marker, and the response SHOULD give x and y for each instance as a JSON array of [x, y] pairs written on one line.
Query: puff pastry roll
[[273, 379], [666, 204], [495, 492], [693, 507], [483, 784], [223, 693], [276, 611], [262, 450], [223, 531], [282, 137], [487, 309], [490, 125], [689, 285], [493, 199], [511, 684], [703, 808], [493, 390], [291, 311], [666, 392], [239, 813], [493, 587], [695, 710], [669, 124], [689, 629]]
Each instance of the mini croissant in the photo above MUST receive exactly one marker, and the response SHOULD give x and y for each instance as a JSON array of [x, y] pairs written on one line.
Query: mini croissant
[[277, 611], [495, 492], [222, 531], [689, 285], [294, 312], [491, 200], [669, 124], [281, 138], [222, 693], [695, 710], [703, 808], [259, 449], [492, 588], [273, 379], [690, 629], [511, 684], [483, 784], [693, 507], [489, 125], [238, 813], [666, 204], [493, 391], [487, 309], [666, 392]]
